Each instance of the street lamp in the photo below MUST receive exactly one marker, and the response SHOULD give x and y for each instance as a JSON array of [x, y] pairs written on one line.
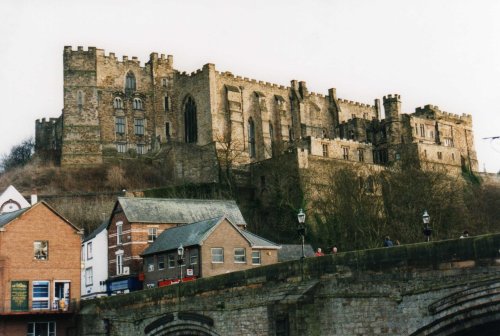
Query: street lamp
[[301, 229], [427, 230], [180, 260]]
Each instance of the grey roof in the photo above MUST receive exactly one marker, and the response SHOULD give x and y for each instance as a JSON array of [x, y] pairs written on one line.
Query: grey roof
[[294, 252], [182, 211], [8, 217], [195, 233], [94, 233], [257, 241]]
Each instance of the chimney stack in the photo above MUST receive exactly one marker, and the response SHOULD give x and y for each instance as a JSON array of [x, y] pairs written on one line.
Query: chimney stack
[[34, 197]]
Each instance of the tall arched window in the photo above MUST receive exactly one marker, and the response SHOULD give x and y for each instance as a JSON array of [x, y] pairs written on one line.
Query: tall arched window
[[251, 137], [271, 131], [190, 122], [130, 82]]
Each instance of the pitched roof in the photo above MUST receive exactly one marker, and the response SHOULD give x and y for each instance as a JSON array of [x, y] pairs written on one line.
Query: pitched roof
[[187, 235], [294, 252], [8, 217], [257, 241], [181, 211], [196, 233], [94, 233]]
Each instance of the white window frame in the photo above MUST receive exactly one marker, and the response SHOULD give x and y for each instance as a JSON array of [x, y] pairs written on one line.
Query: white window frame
[[38, 253], [89, 276], [119, 232], [45, 299], [152, 234], [193, 258], [256, 258], [240, 255], [51, 328], [119, 263], [171, 261], [89, 250], [217, 258]]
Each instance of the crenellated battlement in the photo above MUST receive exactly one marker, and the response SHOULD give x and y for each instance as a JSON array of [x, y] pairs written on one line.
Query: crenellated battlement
[[45, 121], [354, 103], [229, 74], [434, 110], [391, 98]]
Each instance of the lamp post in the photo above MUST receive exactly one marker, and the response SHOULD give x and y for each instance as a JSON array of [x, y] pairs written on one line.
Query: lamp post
[[180, 260], [427, 230], [301, 229]]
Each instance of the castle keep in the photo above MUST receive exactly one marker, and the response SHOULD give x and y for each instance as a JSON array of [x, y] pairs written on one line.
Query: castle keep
[[120, 109]]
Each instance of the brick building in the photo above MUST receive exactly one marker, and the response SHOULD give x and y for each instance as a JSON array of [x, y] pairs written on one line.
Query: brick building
[[39, 272], [135, 223], [116, 108], [202, 249]]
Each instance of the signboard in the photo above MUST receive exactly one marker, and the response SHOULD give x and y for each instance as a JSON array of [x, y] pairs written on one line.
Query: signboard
[[118, 285], [189, 272], [19, 295]]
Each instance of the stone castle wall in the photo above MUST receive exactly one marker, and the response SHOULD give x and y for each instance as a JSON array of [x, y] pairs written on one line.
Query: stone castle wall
[[225, 107]]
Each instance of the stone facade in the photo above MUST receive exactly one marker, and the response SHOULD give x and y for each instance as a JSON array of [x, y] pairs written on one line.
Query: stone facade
[[118, 108], [442, 288]]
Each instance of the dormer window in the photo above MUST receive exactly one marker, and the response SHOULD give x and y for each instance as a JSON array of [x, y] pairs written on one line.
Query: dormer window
[[118, 103], [137, 104]]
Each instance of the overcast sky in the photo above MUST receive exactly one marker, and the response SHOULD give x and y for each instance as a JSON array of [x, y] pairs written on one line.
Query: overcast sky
[[445, 53]]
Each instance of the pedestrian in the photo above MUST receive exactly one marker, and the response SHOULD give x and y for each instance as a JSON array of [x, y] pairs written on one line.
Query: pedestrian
[[388, 242], [319, 253], [334, 249], [465, 234]]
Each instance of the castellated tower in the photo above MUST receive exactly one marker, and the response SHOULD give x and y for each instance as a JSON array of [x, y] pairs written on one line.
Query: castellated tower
[[113, 107], [393, 128], [81, 132]]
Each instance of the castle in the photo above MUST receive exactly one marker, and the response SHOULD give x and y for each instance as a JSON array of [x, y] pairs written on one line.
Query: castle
[[120, 109]]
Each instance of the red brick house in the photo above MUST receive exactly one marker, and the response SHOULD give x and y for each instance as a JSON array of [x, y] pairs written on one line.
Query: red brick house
[[206, 248], [135, 223], [39, 272]]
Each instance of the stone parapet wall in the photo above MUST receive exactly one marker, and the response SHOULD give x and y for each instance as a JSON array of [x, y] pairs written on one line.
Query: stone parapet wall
[[381, 291]]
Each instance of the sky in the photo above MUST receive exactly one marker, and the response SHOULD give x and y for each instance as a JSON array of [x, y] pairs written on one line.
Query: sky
[[444, 53]]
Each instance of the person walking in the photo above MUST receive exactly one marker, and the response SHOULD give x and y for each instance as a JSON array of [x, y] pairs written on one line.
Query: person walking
[[319, 253], [388, 242]]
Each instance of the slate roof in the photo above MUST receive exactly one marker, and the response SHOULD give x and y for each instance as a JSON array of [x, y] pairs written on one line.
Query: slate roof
[[182, 211], [8, 217], [195, 234], [94, 233], [294, 252]]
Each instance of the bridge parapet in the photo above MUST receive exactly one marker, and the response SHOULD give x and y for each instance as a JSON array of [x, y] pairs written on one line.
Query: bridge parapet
[[406, 287]]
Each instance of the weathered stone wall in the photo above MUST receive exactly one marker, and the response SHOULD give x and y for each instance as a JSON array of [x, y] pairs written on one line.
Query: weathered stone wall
[[391, 291]]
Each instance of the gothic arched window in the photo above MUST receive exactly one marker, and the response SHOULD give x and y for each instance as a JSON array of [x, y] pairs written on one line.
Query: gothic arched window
[[190, 122], [137, 104], [118, 103], [130, 82], [251, 137]]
